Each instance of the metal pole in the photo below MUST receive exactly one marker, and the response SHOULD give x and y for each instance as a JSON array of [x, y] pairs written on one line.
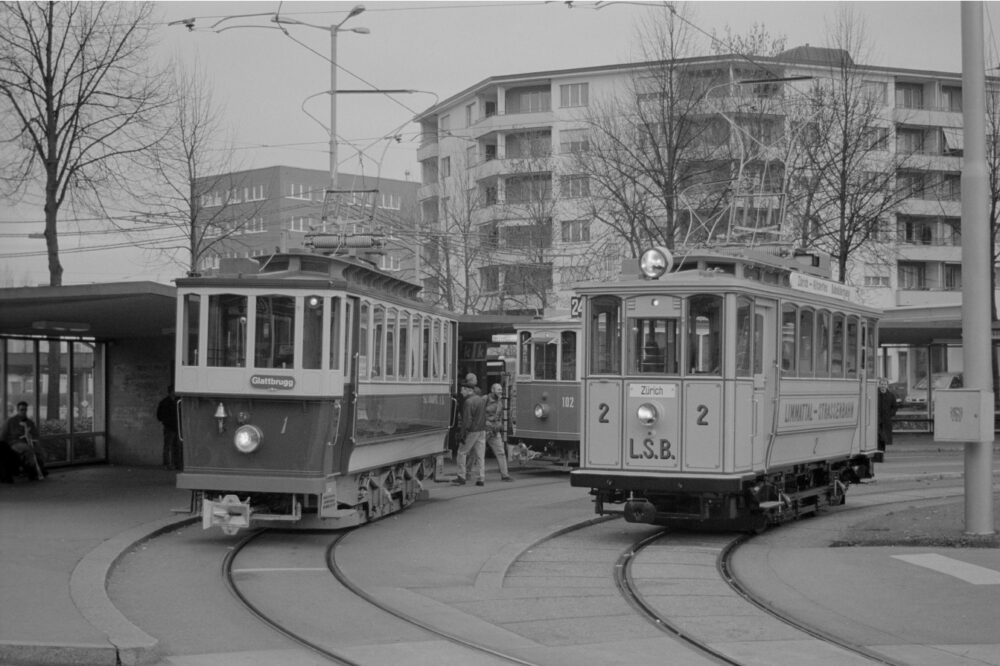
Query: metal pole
[[976, 251], [333, 107]]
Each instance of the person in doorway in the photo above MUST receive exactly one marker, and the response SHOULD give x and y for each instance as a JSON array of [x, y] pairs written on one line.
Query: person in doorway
[[21, 434], [473, 434], [887, 406], [494, 428], [166, 414]]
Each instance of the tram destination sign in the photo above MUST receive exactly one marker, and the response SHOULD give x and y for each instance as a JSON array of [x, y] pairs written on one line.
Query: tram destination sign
[[822, 287], [272, 382]]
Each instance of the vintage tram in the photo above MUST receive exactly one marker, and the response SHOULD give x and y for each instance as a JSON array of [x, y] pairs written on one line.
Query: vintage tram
[[734, 391], [314, 392], [545, 394]]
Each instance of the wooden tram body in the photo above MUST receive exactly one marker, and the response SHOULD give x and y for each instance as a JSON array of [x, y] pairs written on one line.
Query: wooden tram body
[[734, 392], [314, 392], [545, 395]]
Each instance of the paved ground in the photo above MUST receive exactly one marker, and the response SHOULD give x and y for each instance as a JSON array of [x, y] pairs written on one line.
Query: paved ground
[[60, 538]]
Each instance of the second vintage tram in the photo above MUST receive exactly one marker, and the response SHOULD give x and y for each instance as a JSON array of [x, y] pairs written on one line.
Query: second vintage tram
[[315, 392], [735, 391]]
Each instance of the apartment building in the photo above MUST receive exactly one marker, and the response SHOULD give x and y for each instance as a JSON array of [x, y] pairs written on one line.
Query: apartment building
[[253, 212]]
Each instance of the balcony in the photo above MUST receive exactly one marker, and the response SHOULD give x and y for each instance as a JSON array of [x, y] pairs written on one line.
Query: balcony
[[927, 117], [932, 207], [928, 296], [428, 191], [428, 151], [511, 121]]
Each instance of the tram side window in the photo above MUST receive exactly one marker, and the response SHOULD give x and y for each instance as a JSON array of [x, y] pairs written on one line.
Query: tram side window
[[837, 349], [449, 332], [227, 330], [869, 349], [378, 340], [705, 334], [363, 327], [806, 330], [545, 352], [404, 344], [605, 335], [335, 343], [390, 343], [745, 339], [312, 333], [192, 319], [436, 336], [275, 345], [654, 346], [567, 371], [415, 339], [789, 319], [758, 343], [524, 353], [852, 347], [428, 349], [822, 343]]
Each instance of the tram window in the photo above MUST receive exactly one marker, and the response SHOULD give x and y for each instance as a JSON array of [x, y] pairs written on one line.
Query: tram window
[[192, 318], [404, 348], [378, 341], [448, 333], [822, 343], [605, 335], [744, 336], [417, 354], [524, 353], [806, 348], [837, 348], [427, 349], [436, 349], [852, 347], [227, 330], [275, 345], [545, 351], [312, 333], [758, 343], [567, 371], [789, 319], [363, 328], [335, 350], [869, 349], [390, 343], [654, 346], [704, 334]]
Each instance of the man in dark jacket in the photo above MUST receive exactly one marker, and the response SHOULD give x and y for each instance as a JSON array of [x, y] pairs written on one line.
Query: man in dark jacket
[[473, 433], [166, 413], [887, 406]]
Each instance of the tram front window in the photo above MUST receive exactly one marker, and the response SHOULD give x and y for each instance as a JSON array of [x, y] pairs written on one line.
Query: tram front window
[[275, 346], [568, 364], [227, 330], [704, 334], [654, 346], [605, 335]]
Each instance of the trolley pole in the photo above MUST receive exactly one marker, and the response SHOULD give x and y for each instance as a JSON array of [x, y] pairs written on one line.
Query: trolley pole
[[976, 260]]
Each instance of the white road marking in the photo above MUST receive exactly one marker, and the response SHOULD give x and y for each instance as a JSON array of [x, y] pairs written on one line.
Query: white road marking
[[279, 569], [970, 573]]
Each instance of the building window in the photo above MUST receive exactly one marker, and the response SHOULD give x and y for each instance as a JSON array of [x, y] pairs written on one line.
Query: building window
[[389, 263], [915, 230], [911, 184], [953, 277], [529, 100], [470, 156], [299, 191], [254, 225], [529, 144], [910, 95], [445, 124], [470, 114], [445, 167], [574, 141], [951, 98], [912, 275], [575, 231], [909, 140], [299, 223], [876, 280], [877, 91], [574, 187], [951, 187], [390, 201], [574, 94], [877, 138], [489, 278], [529, 189]]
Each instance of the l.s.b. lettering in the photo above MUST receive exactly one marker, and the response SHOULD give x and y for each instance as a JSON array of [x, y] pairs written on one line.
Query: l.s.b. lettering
[[650, 450]]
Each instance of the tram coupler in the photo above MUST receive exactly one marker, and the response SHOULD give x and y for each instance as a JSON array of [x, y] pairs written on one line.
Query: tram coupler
[[639, 511], [229, 513]]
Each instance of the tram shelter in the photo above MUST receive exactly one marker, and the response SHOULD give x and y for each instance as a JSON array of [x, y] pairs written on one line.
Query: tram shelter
[[91, 361]]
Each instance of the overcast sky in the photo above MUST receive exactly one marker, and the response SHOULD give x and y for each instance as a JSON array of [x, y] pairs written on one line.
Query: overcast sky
[[262, 77]]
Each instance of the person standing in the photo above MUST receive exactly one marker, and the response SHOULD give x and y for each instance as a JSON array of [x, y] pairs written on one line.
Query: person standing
[[887, 406], [166, 413], [21, 434], [494, 428], [473, 435]]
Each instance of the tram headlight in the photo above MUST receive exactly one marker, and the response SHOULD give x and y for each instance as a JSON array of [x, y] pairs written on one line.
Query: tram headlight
[[647, 414], [656, 261], [248, 438], [541, 411]]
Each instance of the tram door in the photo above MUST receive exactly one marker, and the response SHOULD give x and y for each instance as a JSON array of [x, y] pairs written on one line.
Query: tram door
[[765, 375]]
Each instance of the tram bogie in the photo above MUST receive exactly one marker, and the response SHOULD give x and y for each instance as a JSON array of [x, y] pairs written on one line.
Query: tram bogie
[[314, 393], [736, 392]]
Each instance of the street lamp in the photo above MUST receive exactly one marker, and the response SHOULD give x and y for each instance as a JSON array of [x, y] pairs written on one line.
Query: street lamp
[[333, 30]]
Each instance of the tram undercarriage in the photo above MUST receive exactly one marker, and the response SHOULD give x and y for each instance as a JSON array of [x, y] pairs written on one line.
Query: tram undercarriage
[[346, 501], [769, 499]]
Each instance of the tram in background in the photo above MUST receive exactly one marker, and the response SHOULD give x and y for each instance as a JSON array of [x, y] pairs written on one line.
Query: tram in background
[[545, 394], [315, 392], [736, 391]]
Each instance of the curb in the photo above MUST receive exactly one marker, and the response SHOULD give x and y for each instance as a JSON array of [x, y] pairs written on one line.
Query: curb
[[127, 644]]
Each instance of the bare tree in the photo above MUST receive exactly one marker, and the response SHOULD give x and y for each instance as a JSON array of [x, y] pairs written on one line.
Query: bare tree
[[756, 41], [846, 182], [79, 101], [195, 164]]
